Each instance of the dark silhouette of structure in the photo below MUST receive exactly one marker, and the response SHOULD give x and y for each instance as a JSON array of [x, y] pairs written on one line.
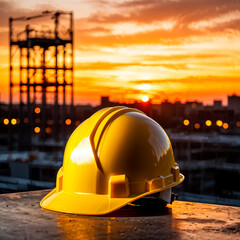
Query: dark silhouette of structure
[[41, 70]]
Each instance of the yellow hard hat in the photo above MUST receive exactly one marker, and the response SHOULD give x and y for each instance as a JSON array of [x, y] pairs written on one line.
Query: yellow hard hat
[[113, 158]]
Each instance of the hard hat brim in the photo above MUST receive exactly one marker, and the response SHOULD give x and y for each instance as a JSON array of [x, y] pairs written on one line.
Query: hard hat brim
[[89, 203]]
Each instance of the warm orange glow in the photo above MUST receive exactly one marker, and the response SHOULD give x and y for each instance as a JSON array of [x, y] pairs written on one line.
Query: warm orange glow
[[77, 123], [186, 122], [37, 120], [145, 87], [197, 125], [26, 120], [5, 121], [49, 122], [208, 123], [68, 121], [128, 50], [37, 110], [145, 98], [238, 124], [219, 123], [225, 126], [48, 130], [37, 129], [14, 121], [194, 105]]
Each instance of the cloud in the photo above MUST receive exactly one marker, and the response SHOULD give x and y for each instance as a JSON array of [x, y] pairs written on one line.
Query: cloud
[[103, 66], [178, 57], [191, 80], [118, 43], [12, 9], [7, 8], [151, 37], [141, 21], [185, 13], [94, 30]]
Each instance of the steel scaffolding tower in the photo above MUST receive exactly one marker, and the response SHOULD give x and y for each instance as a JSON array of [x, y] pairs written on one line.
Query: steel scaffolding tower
[[41, 74]]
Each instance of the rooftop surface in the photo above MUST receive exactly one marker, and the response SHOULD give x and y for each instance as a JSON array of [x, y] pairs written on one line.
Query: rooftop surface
[[21, 217]]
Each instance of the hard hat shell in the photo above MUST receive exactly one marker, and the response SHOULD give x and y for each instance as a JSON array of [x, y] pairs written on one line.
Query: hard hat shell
[[113, 158]]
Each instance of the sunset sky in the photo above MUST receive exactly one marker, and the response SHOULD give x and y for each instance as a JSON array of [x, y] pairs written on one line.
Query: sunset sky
[[181, 49]]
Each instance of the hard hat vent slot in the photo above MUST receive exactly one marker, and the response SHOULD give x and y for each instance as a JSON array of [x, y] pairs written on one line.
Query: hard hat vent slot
[[118, 186]]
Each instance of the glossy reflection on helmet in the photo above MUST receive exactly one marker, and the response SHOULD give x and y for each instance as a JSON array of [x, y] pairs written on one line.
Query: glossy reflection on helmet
[[115, 157]]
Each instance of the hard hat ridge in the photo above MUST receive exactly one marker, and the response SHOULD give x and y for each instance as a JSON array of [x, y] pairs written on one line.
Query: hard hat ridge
[[115, 157]]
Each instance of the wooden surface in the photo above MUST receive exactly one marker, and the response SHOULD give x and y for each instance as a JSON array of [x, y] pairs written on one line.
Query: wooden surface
[[22, 218]]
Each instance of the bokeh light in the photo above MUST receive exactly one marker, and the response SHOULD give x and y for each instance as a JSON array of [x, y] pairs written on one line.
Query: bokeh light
[[5, 121], [37, 110], [219, 123], [14, 121], [197, 125], [208, 123], [186, 122], [26, 120], [68, 121], [37, 120], [48, 130], [194, 105], [49, 122], [37, 129], [225, 125]]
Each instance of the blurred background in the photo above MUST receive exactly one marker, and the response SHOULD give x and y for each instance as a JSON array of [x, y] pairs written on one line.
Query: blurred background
[[177, 61]]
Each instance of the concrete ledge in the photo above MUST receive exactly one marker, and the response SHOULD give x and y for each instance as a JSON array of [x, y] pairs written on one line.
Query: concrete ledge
[[22, 218]]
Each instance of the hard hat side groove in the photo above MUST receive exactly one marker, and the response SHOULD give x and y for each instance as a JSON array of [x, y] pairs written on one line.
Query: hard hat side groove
[[113, 158], [103, 116], [116, 112]]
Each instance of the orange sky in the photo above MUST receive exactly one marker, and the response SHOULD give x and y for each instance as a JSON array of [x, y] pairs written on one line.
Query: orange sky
[[180, 49]]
